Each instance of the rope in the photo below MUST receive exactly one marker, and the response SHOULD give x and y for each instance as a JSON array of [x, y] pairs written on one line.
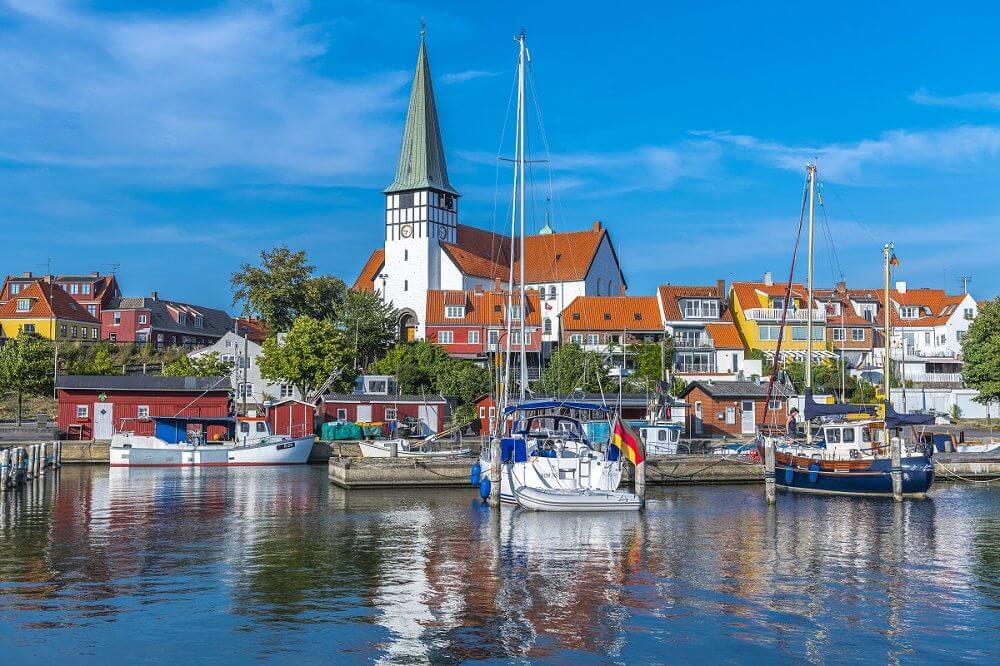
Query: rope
[[958, 476]]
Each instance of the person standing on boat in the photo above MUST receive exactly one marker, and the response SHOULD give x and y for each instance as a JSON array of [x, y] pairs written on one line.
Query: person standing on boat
[[793, 422]]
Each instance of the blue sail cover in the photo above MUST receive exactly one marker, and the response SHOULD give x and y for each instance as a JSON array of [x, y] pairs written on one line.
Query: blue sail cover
[[555, 404], [894, 419], [813, 409]]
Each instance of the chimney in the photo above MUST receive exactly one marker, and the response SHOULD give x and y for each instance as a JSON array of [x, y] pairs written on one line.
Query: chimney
[[597, 225], [47, 279], [95, 274], [155, 296], [26, 274], [768, 280], [901, 287], [841, 287], [720, 289], [621, 289]]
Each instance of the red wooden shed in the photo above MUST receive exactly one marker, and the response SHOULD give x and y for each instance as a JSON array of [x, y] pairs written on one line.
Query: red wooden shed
[[95, 406], [292, 417], [431, 409]]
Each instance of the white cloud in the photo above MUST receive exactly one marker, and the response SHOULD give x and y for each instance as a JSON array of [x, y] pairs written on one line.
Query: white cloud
[[957, 148], [188, 97], [467, 75], [981, 100]]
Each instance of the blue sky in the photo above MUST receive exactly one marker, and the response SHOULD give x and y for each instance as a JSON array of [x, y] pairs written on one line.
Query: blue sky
[[178, 140]]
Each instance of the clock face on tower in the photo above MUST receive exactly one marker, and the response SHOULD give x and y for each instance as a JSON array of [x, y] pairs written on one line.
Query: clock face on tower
[[442, 232], [406, 231]]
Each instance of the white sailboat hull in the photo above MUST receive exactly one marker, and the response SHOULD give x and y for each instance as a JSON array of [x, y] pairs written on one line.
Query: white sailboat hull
[[536, 499], [383, 449], [151, 452]]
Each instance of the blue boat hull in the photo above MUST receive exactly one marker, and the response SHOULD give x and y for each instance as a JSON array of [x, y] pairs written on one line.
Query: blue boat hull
[[873, 479]]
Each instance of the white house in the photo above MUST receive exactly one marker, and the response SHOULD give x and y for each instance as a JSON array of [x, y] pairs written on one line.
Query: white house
[[243, 354], [927, 330], [426, 248]]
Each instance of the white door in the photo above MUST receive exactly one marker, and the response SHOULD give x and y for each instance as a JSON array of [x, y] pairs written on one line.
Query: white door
[[104, 420], [748, 422], [429, 415], [364, 413], [698, 429]]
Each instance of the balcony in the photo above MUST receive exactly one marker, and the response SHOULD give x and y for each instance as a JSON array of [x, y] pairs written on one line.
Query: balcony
[[774, 315], [687, 344]]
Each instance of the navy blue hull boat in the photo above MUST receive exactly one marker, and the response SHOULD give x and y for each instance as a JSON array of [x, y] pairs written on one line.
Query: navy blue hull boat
[[854, 477]]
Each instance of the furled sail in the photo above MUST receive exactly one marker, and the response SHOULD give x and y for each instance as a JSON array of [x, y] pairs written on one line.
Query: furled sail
[[813, 409]]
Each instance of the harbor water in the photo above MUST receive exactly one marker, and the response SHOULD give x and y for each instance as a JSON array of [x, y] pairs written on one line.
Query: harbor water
[[248, 565]]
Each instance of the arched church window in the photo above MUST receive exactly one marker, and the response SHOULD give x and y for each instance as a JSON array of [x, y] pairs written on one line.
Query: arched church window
[[547, 326], [552, 292]]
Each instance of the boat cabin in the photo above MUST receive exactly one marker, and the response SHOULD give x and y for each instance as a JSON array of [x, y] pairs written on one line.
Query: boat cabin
[[661, 438], [196, 431]]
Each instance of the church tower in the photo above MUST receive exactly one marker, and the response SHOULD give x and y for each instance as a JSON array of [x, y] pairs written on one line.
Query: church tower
[[421, 207]]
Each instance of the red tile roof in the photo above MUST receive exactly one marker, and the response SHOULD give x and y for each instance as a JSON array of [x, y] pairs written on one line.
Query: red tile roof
[[612, 313], [366, 280], [47, 300], [671, 295], [725, 335], [482, 308]]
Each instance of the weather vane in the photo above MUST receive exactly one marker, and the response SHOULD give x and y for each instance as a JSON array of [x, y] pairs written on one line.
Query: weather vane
[[423, 26]]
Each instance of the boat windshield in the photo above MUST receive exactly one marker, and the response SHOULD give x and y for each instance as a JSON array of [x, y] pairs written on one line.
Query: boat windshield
[[549, 426]]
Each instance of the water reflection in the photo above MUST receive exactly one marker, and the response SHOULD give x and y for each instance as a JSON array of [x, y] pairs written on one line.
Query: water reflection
[[276, 563]]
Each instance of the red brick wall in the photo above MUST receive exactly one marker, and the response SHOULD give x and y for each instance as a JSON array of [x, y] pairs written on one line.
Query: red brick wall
[[713, 426], [124, 331]]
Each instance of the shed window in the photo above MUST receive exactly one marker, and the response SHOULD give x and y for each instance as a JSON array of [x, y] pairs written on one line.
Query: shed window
[[390, 414], [82, 411], [341, 414], [142, 411]]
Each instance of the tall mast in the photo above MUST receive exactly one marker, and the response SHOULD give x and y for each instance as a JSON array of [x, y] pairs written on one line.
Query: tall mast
[[886, 324], [809, 290], [520, 162]]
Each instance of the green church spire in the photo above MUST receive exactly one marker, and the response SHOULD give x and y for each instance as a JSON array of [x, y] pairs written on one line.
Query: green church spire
[[421, 157]]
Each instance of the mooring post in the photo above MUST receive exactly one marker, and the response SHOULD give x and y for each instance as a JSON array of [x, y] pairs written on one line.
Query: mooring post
[[45, 457], [4, 469], [31, 461], [495, 472], [640, 481], [394, 449], [897, 470], [57, 453], [38, 460], [769, 490], [22, 464]]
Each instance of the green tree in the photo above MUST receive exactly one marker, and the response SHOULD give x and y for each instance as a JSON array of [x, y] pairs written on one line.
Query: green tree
[[648, 364], [307, 355], [416, 366], [283, 288], [571, 369], [26, 364], [463, 379], [981, 353], [209, 365], [96, 361], [370, 326]]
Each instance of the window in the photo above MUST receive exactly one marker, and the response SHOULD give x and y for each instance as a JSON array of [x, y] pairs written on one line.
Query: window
[[798, 332], [493, 412], [341, 414], [454, 311], [82, 411], [514, 312], [576, 338], [28, 328], [244, 427], [84, 332], [770, 333], [199, 321], [927, 337], [74, 288], [909, 312], [494, 337], [527, 337], [142, 411], [445, 337], [833, 435], [839, 334], [774, 405], [85, 288], [819, 333], [848, 435], [113, 337], [72, 331], [701, 308], [142, 319], [92, 309], [858, 334], [406, 285], [15, 288], [482, 412], [592, 338], [515, 337], [695, 362], [390, 414], [286, 391], [118, 318], [969, 313], [23, 304], [473, 337], [182, 318], [406, 255], [552, 293], [62, 330], [547, 326], [246, 391], [959, 335]]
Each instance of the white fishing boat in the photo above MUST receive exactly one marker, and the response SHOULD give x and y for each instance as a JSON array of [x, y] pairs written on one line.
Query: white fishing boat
[[552, 499], [410, 448], [661, 439], [188, 441]]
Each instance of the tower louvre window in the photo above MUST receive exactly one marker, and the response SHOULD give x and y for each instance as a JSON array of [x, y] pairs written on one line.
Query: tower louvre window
[[406, 200]]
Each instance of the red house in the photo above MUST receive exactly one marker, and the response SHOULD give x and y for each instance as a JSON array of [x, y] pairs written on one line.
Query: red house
[[163, 323], [94, 407], [93, 291], [732, 408], [473, 324], [295, 418], [431, 409]]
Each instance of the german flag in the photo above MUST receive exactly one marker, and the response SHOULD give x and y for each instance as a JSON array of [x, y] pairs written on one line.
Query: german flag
[[626, 440], [894, 261]]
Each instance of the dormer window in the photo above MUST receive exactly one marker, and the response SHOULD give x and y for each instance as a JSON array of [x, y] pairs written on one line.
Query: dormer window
[[909, 312], [454, 311], [199, 321], [23, 304], [514, 312], [701, 308], [182, 318], [15, 288], [576, 316], [607, 316], [85, 288], [638, 316]]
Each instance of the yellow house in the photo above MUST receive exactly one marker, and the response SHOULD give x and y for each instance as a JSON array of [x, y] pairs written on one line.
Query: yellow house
[[757, 309], [46, 309]]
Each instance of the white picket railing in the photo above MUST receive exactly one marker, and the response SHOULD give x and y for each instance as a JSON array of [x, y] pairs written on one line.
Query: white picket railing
[[774, 314]]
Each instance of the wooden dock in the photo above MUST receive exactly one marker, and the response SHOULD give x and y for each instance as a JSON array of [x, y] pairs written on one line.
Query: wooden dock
[[21, 464]]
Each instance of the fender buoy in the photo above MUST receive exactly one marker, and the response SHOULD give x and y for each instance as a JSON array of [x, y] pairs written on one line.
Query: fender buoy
[[813, 472], [789, 475], [474, 474], [484, 489]]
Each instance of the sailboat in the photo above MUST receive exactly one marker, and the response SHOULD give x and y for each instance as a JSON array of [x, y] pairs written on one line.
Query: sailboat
[[547, 462], [851, 451]]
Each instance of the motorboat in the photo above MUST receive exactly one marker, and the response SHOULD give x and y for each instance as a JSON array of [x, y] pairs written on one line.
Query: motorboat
[[408, 441], [208, 441], [955, 441], [661, 439]]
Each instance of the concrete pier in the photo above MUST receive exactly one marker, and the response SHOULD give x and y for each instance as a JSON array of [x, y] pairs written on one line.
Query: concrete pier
[[399, 472]]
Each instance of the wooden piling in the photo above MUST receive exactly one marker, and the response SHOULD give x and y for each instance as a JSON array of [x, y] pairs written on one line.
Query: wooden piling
[[58, 454], [769, 489], [897, 470], [495, 473], [640, 481], [4, 469], [45, 459]]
